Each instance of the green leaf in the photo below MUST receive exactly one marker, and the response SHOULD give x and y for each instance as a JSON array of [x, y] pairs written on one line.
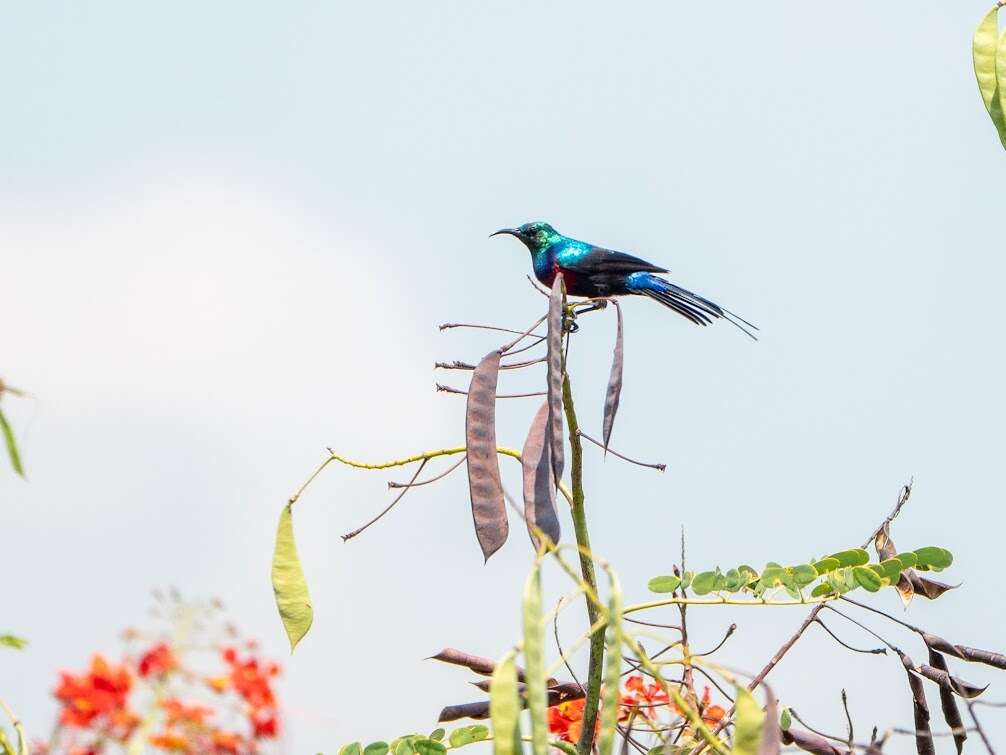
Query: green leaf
[[749, 723], [402, 746], [353, 748], [429, 747], [18, 643], [908, 560], [468, 734], [703, 583], [935, 558], [826, 565], [610, 690], [534, 658], [989, 63], [288, 582], [867, 578], [733, 580], [851, 557], [773, 576], [749, 573], [566, 747], [820, 590], [376, 748], [504, 707], [665, 583], [686, 579], [12, 452], [437, 734], [891, 568], [785, 720], [804, 574]]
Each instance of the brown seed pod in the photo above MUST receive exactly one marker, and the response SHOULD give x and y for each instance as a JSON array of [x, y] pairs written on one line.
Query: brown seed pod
[[951, 713], [539, 483], [484, 482], [614, 392]]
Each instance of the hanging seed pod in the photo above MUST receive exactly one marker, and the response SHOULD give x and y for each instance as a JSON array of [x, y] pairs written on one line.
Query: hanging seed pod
[[985, 48], [554, 342], [539, 483], [614, 392], [951, 713], [484, 482], [923, 733]]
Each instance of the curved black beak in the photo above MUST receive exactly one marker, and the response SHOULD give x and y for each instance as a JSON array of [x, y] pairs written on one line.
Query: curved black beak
[[509, 231]]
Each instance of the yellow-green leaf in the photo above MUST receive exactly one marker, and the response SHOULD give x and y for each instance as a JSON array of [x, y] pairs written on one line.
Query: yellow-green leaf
[[504, 707], [12, 452], [749, 721], [288, 582], [867, 578], [534, 659], [984, 49], [612, 670]]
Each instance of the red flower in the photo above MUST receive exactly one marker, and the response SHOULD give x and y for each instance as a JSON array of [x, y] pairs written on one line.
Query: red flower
[[157, 661], [566, 720], [644, 698], [264, 723], [711, 714], [100, 692], [251, 681]]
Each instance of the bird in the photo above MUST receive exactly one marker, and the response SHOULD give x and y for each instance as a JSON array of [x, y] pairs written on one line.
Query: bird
[[593, 271]]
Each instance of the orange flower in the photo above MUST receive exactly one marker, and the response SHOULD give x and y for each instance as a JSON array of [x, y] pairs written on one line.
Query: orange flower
[[218, 683], [711, 714], [157, 661], [100, 692], [178, 712], [227, 743], [170, 740]]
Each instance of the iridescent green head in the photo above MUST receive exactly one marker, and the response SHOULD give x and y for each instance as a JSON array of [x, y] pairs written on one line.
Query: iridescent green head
[[536, 236]]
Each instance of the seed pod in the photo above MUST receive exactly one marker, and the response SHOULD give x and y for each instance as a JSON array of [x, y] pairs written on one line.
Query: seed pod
[[952, 683], [813, 743], [614, 392], [771, 734], [539, 482], [478, 664], [484, 482], [479, 710], [923, 733], [554, 342], [951, 713], [984, 50]]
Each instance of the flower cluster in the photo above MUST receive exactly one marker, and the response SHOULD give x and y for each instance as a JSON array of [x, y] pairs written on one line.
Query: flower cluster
[[638, 699], [162, 699]]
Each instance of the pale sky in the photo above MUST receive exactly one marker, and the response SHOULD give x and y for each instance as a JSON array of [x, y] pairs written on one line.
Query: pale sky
[[229, 231]]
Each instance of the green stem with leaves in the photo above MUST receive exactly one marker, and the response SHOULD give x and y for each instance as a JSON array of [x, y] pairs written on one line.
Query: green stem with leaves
[[596, 659]]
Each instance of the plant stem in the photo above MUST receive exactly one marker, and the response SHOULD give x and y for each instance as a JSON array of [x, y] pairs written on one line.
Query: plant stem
[[596, 659]]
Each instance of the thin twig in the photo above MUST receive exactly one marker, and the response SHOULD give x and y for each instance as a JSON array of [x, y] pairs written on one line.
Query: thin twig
[[441, 388], [730, 630], [845, 707], [868, 651], [391, 505], [613, 452], [456, 365], [795, 715], [440, 476], [866, 629], [978, 727], [651, 624], [448, 325]]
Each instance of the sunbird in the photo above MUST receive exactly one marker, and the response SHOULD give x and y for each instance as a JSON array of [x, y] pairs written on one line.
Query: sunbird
[[593, 271]]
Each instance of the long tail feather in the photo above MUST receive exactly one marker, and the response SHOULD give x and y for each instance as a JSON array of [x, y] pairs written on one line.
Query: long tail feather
[[693, 307]]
